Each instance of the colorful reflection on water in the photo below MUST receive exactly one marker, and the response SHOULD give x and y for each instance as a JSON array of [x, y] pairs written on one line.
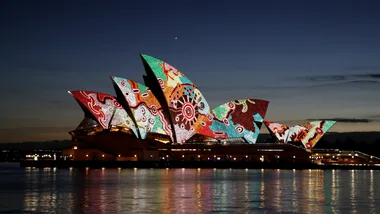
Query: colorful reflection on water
[[188, 190]]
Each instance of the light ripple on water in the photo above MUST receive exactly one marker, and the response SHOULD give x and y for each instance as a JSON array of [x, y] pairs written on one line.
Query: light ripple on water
[[51, 190]]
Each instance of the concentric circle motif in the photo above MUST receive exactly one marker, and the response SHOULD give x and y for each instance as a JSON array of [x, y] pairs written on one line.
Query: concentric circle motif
[[153, 110], [239, 129], [143, 110], [201, 105], [188, 111]]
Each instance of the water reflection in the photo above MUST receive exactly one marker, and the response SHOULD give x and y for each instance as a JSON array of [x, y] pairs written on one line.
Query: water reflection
[[353, 192], [189, 191], [37, 180], [334, 191], [371, 194]]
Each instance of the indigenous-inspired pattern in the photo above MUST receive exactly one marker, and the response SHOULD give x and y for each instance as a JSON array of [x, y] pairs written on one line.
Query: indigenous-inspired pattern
[[189, 111], [178, 109], [105, 108], [280, 131], [308, 133], [239, 119], [311, 132], [146, 109]]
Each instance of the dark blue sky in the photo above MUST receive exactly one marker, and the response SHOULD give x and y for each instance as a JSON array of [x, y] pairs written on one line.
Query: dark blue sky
[[310, 59]]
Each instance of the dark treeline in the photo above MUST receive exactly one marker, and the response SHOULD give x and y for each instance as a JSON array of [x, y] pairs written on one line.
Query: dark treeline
[[371, 148], [367, 142], [30, 146]]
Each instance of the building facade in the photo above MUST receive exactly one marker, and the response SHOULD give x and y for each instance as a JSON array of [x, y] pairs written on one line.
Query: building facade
[[169, 118]]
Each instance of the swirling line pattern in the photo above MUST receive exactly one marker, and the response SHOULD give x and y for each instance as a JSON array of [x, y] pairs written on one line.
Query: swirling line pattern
[[146, 109], [189, 110], [238, 118], [105, 109], [313, 132], [308, 133], [280, 131]]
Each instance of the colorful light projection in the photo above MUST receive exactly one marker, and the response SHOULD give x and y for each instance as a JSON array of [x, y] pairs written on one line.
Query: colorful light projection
[[308, 133], [280, 131], [189, 110], [239, 118], [146, 109], [105, 109]]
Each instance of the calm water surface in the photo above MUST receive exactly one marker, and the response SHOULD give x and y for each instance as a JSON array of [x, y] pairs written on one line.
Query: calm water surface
[[52, 190]]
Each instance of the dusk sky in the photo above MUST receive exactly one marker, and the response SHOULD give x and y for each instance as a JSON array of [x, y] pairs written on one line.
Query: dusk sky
[[310, 59]]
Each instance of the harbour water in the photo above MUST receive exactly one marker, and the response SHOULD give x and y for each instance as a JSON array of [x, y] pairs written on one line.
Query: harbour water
[[56, 190]]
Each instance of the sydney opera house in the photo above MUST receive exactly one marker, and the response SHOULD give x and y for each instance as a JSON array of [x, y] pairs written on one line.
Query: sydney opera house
[[168, 118]]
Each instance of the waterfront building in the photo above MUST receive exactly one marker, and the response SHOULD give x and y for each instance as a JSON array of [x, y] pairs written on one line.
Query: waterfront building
[[168, 118]]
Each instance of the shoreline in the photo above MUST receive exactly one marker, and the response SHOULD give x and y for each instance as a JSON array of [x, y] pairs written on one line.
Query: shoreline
[[191, 164]]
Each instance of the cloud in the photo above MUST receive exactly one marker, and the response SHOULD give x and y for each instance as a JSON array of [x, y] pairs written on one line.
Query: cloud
[[371, 76], [348, 77], [355, 82], [347, 120], [356, 73], [364, 68], [344, 83], [325, 78], [375, 76], [376, 116]]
